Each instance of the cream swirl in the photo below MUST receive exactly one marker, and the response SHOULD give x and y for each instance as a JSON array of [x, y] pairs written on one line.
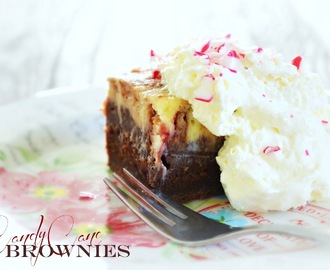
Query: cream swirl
[[274, 115]]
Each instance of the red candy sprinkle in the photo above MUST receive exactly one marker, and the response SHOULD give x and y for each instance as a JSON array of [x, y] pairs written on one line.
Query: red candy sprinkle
[[156, 75], [296, 61], [271, 149]]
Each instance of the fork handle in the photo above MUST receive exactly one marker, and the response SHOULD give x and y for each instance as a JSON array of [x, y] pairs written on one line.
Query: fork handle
[[322, 236]]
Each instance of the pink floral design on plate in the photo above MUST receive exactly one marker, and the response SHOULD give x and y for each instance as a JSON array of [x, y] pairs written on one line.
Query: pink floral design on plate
[[119, 225], [75, 206], [21, 192]]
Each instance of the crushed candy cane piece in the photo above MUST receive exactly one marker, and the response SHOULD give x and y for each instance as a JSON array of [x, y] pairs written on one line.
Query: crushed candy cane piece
[[202, 54], [86, 195], [207, 100], [204, 92], [233, 53], [154, 66], [209, 76], [271, 149], [152, 53], [156, 74], [296, 61], [219, 47], [206, 46], [232, 70]]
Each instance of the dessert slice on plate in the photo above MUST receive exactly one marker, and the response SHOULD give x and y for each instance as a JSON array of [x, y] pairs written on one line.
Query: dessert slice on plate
[[155, 136], [167, 126]]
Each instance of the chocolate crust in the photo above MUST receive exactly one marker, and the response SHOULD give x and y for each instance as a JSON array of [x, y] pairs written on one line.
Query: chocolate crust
[[185, 171]]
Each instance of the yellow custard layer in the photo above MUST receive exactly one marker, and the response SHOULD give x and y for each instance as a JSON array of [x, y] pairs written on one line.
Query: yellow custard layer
[[138, 93]]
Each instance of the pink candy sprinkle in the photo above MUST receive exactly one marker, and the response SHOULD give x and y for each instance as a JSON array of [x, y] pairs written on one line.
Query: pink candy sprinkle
[[291, 115], [233, 53], [259, 50], [219, 47], [307, 152], [204, 99], [232, 70], [228, 36], [152, 53], [199, 53], [202, 54], [206, 46], [85, 195], [324, 121], [271, 149], [296, 61], [209, 76]]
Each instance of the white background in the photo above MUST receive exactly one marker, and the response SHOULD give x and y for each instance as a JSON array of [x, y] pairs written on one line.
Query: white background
[[47, 43]]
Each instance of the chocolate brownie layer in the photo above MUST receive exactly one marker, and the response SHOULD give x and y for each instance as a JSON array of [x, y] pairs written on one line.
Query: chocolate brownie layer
[[158, 140]]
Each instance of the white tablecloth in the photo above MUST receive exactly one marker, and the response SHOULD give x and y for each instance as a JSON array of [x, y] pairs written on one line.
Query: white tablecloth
[[47, 44]]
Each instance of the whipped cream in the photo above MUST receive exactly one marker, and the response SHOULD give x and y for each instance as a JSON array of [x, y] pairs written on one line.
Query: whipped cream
[[275, 116]]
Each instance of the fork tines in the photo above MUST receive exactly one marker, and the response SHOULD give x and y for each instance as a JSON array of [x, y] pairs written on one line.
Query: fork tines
[[147, 191], [142, 197]]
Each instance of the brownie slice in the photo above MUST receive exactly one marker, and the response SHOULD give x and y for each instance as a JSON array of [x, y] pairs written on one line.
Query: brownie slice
[[155, 136]]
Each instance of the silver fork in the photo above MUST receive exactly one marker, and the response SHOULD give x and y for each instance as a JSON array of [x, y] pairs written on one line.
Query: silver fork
[[185, 226]]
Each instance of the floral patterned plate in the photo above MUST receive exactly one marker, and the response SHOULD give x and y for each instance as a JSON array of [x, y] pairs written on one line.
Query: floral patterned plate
[[56, 210]]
